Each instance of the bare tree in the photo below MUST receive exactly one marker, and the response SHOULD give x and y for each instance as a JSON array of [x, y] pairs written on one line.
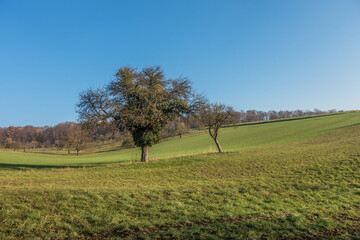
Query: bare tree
[[273, 115], [181, 129], [68, 141], [78, 137], [214, 116]]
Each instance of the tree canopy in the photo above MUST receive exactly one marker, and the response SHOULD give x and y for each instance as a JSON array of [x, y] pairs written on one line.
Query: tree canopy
[[142, 102]]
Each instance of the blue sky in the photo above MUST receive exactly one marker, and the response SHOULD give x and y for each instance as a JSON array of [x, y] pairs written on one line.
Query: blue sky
[[260, 55]]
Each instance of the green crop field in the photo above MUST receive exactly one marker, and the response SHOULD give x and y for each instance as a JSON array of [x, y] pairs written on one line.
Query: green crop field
[[282, 180]]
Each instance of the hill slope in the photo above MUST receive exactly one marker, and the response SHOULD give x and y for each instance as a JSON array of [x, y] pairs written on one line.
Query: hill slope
[[294, 190], [232, 139]]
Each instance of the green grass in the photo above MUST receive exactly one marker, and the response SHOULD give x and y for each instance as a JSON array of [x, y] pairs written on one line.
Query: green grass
[[287, 180], [231, 139]]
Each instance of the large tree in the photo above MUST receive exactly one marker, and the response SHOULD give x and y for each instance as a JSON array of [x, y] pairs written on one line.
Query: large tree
[[214, 116], [141, 102]]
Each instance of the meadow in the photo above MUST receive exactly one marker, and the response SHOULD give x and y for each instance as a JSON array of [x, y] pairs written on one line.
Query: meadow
[[281, 180], [231, 139]]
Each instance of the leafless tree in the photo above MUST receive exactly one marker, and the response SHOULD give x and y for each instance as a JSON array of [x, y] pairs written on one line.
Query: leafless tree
[[78, 137], [214, 116]]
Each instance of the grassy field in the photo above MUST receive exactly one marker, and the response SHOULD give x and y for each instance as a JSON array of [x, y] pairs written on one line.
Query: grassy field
[[232, 139], [286, 180]]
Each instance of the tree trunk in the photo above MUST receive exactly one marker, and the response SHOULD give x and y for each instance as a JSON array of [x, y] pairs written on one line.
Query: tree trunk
[[68, 150], [218, 145], [145, 154], [24, 149], [77, 152]]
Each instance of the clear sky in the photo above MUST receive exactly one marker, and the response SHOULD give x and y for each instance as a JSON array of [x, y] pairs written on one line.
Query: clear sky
[[259, 55]]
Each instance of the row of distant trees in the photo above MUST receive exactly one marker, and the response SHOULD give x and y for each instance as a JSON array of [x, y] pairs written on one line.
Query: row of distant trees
[[253, 115], [68, 135], [72, 136], [75, 137]]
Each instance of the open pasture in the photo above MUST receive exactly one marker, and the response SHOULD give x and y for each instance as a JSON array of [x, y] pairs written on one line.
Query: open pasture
[[288, 180], [232, 139]]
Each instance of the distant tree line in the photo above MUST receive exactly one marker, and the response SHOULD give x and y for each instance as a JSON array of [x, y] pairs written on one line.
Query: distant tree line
[[253, 115], [68, 135], [72, 136]]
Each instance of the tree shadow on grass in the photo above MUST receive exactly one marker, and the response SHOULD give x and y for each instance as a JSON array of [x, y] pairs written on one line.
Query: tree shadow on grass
[[8, 166], [115, 149], [347, 126], [290, 226]]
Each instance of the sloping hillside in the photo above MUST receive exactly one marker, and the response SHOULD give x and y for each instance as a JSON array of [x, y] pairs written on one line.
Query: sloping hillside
[[232, 139], [282, 189]]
